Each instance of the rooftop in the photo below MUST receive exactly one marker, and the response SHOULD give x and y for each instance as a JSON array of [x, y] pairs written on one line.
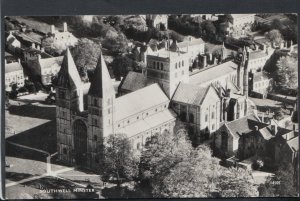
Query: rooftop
[[138, 101], [148, 123], [190, 94], [212, 73], [50, 62], [294, 143], [257, 54], [12, 67], [133, 81]]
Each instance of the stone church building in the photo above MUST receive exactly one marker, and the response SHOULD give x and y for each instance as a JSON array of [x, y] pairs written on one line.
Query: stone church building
[[88, 112]]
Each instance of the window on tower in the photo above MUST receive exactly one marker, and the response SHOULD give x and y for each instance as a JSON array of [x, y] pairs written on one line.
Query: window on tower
[[95, 102]]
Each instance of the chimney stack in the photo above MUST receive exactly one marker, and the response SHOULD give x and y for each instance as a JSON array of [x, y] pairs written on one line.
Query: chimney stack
[[65, 27], [39, 57], [210, 57], [52, 29], [19, 60], [274, 129], [282, 45], [32, 45], [38, 47], [204, 61], [42, 49]]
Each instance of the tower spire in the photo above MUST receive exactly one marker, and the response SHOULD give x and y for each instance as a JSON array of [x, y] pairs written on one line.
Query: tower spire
[[68, 76], [101, 83]]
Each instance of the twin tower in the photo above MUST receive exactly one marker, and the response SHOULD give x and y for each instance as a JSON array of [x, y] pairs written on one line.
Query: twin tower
[[84, 113]]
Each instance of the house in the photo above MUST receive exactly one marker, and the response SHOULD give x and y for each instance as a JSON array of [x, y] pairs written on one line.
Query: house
[[286, 146], [61, 39], [88, 112], [12, 43], [259, 83], [14, 74], [243, 138], [240, 20], [159, 22], [258, 58], [46, 68]]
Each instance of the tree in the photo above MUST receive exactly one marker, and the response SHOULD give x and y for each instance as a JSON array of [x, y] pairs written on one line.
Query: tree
[[283, 184], [86, 55], [119, 160], [162, 152], [287, 73], [274, 36], [209, 28], [236, 183]]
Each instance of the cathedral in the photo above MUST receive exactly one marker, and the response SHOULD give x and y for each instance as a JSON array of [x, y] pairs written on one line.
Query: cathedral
[[86, 113]]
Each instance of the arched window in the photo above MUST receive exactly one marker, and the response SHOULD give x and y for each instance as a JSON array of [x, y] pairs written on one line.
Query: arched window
[[161, 66], [213, 115], [183, 116], [179, 64], [206, 118], [157, 65], [182, 63], [191, 118], [175, 65], [153, 64]]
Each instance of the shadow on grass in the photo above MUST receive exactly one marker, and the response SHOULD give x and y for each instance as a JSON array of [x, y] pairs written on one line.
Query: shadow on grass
[[16, 176], [33, 111], [41, 137]]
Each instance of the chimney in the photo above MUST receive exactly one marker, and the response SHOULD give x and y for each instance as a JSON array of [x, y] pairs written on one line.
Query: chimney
[[274, 129], [32, 45], [264, 47], [204, 61], [65, 27], [228, 93], [52, 29], [38, 47], [42, 49], [282, 45], [39, 57], [19, 60], [256, 47], [210, 57], [215, 60]]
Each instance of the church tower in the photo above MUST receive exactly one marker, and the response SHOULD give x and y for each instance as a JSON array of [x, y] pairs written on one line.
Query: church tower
[[101, 98], [67, 103]]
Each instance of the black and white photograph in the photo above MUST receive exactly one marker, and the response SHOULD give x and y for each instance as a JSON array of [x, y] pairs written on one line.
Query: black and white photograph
[[151, 106]]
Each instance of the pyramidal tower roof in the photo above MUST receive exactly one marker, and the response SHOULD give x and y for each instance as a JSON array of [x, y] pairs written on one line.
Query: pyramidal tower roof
[[101, 83], [68, 76]]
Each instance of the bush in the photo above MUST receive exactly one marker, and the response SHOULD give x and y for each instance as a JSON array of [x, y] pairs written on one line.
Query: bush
[[258, 164]]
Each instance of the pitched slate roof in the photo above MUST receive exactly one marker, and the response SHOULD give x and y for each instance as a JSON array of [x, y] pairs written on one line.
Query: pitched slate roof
[[294, 143], [12, 67], [133, 81], [190, 94], [68, 75], [244, 125], [148, 123], [196, 41], [101, 83], [257, 54], [140, 100], [212, 73], [50, 62]]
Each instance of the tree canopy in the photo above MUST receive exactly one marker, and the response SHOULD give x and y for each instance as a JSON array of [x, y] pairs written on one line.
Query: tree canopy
[[119, 160]]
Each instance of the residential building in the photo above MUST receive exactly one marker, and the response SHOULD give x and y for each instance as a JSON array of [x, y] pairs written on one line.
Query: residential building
[[14, 74], [157, 21], [259, 83]]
